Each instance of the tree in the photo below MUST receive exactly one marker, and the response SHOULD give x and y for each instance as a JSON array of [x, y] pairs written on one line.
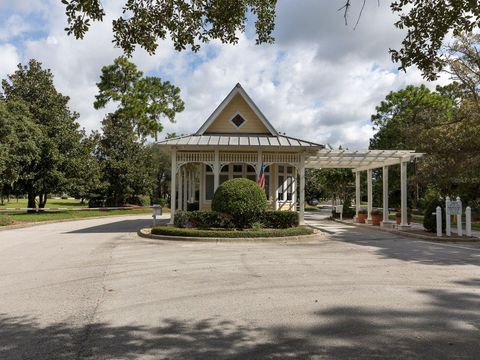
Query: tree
[[142, 100], [187, 22], [58, 135], [125, 162], [19, 146]]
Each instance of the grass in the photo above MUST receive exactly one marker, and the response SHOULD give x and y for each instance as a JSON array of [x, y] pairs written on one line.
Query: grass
[[219, 233], [419, 219], [310, 207], [51, 203]]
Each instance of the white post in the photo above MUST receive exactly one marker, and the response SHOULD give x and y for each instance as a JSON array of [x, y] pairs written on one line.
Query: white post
[[180, 189], [185, 188], [301, 170], [448, 228], [369, 195], [386, 222], [173, 186], [438, 214], [459, 218], [357, 194], [468, 221], [259, 162], [192, 185], [216, 171], [403, 196]]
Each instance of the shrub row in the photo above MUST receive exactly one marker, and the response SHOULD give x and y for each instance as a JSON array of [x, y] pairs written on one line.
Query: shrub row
[[173, 231], [214, 219]]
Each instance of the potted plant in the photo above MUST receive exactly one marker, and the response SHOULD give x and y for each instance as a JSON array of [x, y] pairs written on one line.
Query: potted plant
[[362, 216], [398, 216], [376, 217]]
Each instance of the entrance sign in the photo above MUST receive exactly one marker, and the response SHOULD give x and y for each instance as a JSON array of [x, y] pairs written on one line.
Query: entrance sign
[[455, 208]]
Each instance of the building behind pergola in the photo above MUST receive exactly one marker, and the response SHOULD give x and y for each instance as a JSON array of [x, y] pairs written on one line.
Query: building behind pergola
[[237, 140]]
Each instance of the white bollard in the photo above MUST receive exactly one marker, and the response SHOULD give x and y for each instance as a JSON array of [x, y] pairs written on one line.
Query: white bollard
[[468, 221], [448, 228], [439, 221], [459, 219]]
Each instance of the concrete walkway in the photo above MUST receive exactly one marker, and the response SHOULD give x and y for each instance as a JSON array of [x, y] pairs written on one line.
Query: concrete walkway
[[92, 289]]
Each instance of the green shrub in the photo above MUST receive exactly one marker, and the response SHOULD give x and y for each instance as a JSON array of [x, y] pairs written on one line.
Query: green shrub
[[377, 212], [242, 199], [280, 219], [96, 201], [430, 220], [210, 219], [140, 200], [64, 197], [5, 220], [173, 231], [363, 211], [348, 213], [182, 219]]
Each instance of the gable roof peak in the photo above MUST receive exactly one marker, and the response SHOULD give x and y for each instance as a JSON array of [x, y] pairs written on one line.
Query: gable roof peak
[[237, 89]]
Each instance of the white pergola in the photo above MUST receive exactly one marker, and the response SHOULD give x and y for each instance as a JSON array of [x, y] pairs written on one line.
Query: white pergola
[[368, 160]]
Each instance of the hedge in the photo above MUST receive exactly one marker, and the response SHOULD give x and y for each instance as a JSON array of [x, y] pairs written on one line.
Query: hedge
[[213, 219], [279, 219], [242, 199], [173, 231], [430, 220]]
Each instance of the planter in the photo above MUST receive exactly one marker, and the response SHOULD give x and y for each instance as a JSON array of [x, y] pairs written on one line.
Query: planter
[[362, 218], [376, 219]]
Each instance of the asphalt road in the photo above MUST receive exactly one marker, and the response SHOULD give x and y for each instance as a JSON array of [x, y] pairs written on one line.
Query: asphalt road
[[93, 289]]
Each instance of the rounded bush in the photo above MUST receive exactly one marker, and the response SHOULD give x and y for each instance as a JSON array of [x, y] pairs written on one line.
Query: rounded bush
[[242, 199], [430, 220]]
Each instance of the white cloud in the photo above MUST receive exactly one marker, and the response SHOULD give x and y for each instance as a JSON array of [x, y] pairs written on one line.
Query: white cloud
[[320, 81], [9, 59]]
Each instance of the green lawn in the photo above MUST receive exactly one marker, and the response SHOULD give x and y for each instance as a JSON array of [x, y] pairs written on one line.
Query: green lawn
[[51, 203], [23, 216], [419, 219]]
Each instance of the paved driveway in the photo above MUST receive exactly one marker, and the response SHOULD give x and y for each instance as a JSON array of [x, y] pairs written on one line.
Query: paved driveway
[[92, 289]]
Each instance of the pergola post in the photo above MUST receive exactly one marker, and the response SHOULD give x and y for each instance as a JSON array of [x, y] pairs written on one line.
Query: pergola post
[[386, 222], [216, 171], [370, 195], [173, 186], [192, 185], [403, 196], [358, 198], [301, 170]]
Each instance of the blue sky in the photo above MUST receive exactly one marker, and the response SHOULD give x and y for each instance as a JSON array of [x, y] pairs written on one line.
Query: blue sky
[[320, 81]]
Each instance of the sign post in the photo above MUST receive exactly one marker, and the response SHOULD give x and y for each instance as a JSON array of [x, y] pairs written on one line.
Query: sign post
[[339, 210], [468, 221], [157, 211], [448, 229], [439, 221]]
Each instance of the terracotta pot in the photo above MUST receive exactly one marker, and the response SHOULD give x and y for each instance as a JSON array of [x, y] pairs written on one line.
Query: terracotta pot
[[376, 219], [362, 218]]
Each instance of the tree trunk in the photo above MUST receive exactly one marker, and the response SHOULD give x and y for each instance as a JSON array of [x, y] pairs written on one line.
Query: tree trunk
[[31, 201], [42, 201]]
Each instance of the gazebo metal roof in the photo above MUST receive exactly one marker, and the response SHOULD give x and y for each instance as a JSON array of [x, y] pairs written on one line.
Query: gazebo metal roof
[[240, 140]]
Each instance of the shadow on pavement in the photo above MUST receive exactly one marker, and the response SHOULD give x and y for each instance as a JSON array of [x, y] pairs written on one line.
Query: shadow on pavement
[[447, 326], [122, 226]]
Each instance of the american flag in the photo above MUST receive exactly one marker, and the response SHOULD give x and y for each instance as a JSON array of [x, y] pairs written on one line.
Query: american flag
[[261, 177]]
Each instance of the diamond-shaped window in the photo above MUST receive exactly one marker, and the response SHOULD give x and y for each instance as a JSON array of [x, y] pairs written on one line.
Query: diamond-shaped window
[[238, 120]]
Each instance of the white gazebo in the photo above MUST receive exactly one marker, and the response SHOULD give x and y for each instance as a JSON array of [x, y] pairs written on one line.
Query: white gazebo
[[237, 140]]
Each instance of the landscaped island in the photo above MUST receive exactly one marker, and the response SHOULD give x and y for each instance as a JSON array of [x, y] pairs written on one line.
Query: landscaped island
[[239, 210]]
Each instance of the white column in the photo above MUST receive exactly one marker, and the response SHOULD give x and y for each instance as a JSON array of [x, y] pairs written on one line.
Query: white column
[[185, 188], [192, 185], [274, 181], [448, 217], [358, 198], [216, 171], [259, 163], [370, 195], [180, 188], [459, 218], [403, 196], [468, 221], [386, 222], [173, 186], [301, 169]]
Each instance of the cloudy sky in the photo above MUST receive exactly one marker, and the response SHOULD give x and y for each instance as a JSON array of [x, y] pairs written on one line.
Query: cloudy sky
[[320, 81]]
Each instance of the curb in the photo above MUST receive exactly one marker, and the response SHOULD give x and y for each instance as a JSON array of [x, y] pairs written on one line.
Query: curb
[[143, 233], [46, 222], [443, 239]]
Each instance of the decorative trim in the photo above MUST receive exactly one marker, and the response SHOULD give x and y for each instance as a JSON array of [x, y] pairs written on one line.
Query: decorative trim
[[238, 113]]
